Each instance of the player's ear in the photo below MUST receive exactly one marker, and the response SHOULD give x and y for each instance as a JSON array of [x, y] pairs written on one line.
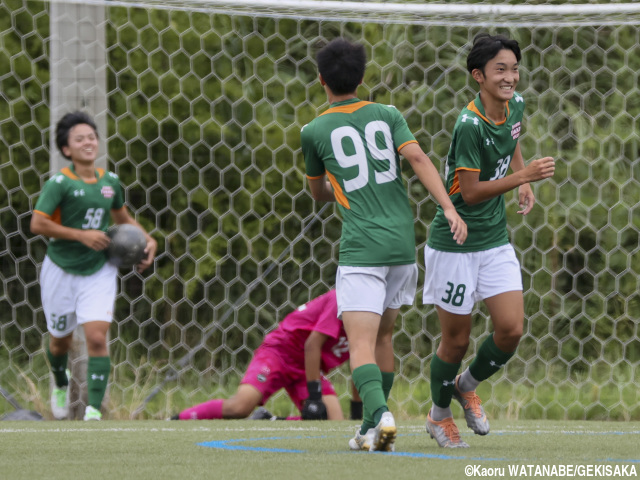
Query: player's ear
[[322, 82], [477, 75]]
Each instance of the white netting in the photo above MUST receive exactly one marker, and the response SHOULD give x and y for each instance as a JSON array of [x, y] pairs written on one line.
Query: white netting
[[205, 104]]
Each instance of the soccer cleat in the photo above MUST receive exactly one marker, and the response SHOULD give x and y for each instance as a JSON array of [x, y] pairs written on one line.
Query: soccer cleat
[[363, 442], [174, 417], [473, 411], [445, 433], [91, 414], [60, 400], [385, 434], [261, 413]]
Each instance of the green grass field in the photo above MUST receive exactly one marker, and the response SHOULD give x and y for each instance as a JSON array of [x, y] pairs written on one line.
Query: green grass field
[[246, 449]]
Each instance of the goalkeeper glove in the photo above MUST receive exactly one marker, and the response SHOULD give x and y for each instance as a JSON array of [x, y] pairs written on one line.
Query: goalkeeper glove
[[313, 408]]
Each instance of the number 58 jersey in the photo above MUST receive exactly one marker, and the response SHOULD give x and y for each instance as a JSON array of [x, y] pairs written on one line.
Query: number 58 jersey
[[72, 202], [355, 144], [478, 144]]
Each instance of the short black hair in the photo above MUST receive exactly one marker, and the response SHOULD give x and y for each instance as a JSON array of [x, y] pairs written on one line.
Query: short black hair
[[69, 121], [485, 47], [341, 64]]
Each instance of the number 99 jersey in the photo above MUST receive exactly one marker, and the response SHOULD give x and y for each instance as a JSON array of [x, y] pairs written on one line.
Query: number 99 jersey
[[478, 144], [72, 202], [356, 144]]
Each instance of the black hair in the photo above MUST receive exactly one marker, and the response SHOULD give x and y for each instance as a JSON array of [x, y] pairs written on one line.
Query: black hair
[[485, 47], [341, 64], [65, 125]]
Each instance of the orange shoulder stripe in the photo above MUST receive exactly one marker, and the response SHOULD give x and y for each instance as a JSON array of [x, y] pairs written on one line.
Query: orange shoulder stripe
[[352, 107]]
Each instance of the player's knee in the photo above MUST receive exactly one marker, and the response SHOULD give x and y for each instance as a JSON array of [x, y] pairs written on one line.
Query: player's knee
[[60, 346], [96, 343], [507, 339], [454, 349]]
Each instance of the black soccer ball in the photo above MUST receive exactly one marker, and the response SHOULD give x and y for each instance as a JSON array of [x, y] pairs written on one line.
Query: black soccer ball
[[127, 245]]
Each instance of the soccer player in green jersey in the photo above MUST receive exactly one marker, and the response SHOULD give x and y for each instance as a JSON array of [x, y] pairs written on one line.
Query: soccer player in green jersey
[[78, 285], [483, 147], [357, 146]]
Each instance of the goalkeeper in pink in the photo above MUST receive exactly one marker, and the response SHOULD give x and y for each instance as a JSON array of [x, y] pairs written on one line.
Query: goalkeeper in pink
[[307, 344]]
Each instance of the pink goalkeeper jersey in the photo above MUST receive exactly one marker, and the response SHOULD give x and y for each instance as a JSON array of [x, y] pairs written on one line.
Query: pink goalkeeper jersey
[[321, 315]]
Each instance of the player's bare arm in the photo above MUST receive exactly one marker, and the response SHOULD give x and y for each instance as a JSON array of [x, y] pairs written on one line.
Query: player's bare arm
[[121, 216], [42, 225], [321, 189], [313, 354], [474, 191], [314, 407], [430, 178]]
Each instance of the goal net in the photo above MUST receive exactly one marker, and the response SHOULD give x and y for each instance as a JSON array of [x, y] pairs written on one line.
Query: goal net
[[204, 102]]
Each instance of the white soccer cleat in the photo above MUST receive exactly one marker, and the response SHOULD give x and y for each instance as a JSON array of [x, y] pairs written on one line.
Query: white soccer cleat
[[91, 414], [385, 434], [362, 442]]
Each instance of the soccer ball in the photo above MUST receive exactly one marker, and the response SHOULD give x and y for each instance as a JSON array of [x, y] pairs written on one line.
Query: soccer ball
[[127, 245]]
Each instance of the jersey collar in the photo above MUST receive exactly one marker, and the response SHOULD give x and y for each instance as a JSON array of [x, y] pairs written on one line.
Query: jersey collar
[[479, 109]]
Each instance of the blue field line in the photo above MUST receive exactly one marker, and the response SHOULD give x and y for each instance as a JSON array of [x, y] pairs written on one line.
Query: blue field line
[[225, 445], [232, 445]]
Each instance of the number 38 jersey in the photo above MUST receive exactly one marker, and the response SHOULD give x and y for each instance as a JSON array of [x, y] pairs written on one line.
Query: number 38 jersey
[[72, 202], [480, 145], [356, 144]]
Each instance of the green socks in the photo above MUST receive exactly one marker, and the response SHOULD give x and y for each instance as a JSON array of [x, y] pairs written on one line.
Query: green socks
[[97, 379], [443, 376], [489, 360], [368, 380], [58, 368], [387, 383]]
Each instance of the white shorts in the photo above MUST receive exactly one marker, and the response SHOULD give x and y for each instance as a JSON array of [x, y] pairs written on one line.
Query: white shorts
[[70, 300], [374, 289], [456, 281]]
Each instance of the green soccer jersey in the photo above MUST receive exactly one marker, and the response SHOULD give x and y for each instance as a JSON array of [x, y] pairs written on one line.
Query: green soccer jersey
[[478, 144], [74, 203], [356, 144]]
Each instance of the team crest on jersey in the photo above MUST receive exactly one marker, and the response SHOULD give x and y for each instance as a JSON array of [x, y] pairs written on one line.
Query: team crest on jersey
[[107, 191], [515, 130]]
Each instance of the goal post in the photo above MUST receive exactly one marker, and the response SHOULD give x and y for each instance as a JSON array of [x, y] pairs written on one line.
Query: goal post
[[203, 104]]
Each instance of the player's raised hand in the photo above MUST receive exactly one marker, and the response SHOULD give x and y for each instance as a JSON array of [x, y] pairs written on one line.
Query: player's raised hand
[[540, 169]]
